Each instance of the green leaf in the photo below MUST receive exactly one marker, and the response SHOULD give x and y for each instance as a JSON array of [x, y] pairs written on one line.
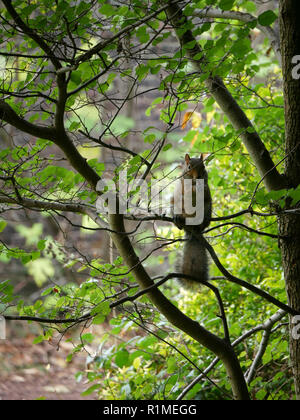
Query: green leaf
[[38, 339], [241, 47], [2, 225], [295, 194], [74, 126], [190, 136], [88, 337], [190, 45], [103, 309], [136, 160], [142, 35], [91, 389], [107, 10], [69, 358], [121, 358], [25, 259], [226, 4], [147, 342], [261, 394], [210, 102], [250, 6], [267, 18], [5, 286], [47, 291], [99, 319], [172, 365], [76, 77], [150, 138], [167, 147], [141, 71], [41, 244]]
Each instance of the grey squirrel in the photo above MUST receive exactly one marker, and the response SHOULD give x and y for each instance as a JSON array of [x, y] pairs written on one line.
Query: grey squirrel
[[194, 258]]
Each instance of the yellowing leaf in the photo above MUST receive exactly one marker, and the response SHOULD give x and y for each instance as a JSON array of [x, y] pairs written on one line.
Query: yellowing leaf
[[186, 118], [195, 118], [89, 152], [194, 139], [41, 270], [209, 116], [249, 114], [87, 222], [137, 362]]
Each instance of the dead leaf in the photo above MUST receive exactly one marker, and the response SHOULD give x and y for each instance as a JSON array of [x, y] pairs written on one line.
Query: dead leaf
[[17, 378], [193, 116], [59, 389]]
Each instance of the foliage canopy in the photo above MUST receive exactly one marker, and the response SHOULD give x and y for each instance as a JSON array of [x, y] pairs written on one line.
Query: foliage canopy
[[90, 88]]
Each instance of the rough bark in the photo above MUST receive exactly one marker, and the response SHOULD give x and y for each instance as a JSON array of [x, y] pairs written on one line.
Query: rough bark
[[289, 224]]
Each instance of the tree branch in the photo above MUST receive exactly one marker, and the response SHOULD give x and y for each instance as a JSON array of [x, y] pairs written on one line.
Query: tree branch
[[267, 327], [98, 47], [31, 33], [271, 321], [249, 229], [45, 205], [116, 148], [8, 115], [269, 32], [96, 77], [59, 137], [243, 283]]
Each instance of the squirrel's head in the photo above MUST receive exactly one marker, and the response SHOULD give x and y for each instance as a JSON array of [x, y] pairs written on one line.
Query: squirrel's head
[[194, 167]]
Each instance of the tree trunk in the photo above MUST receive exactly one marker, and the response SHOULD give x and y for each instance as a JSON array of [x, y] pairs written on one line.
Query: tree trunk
[[290, 224]]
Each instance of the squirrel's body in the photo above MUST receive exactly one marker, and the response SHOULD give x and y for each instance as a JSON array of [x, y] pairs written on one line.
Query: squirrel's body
[[194, 259]]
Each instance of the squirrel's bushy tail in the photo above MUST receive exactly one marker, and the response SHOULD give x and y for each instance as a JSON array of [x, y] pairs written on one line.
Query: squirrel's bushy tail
[[193, 261], [194, 258]]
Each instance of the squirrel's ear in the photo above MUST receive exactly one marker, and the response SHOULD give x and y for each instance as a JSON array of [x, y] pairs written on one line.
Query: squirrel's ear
[[187, 159], [204, 156]]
